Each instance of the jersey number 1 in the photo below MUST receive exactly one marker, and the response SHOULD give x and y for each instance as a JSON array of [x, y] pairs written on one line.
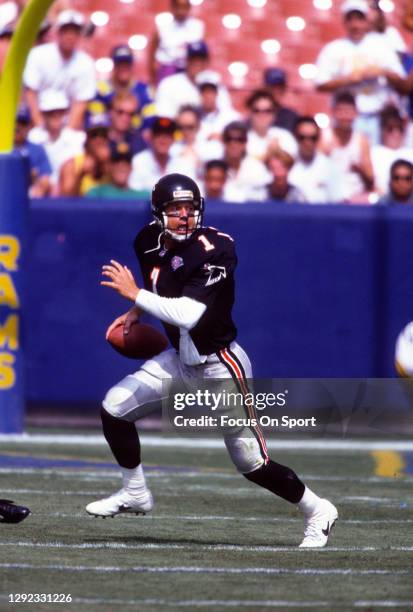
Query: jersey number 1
[[205, 242]]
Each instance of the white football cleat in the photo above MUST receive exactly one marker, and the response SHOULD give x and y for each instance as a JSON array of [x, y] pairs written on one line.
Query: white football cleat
[[121, 502], [318, 526]]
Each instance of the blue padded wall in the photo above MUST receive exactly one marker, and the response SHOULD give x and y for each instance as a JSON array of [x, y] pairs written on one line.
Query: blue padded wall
[[322, 291]]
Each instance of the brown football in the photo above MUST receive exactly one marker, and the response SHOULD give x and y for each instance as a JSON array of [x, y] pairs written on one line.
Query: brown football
[[142, 342]]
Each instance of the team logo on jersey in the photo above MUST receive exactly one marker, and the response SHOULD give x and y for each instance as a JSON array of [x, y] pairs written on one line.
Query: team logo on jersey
[[176, 262], [215, 274]]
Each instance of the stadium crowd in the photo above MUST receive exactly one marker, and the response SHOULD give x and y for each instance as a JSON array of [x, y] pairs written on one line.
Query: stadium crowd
[[116, 138]]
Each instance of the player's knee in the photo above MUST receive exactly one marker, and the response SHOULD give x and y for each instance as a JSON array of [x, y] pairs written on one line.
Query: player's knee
[[117, 401], [245, 453]]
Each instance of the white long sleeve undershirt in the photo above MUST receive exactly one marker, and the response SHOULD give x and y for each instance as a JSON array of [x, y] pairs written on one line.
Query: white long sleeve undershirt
[[184, 312]]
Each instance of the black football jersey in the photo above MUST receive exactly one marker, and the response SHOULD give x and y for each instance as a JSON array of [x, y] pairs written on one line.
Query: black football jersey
[[201, 268]]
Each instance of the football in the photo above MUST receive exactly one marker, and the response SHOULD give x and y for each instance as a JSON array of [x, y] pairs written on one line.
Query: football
[[142, 342]]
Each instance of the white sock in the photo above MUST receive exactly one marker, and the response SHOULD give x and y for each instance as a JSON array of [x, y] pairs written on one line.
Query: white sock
[[134, 481], [308, 502]]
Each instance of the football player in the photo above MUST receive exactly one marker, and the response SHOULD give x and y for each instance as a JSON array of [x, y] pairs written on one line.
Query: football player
[[10, 513], [188, 272]]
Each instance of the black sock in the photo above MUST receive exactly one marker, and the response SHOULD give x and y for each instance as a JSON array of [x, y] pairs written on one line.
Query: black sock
[[123, 440], [278, 479]]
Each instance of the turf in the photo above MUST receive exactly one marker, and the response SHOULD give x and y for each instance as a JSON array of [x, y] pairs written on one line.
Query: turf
[[213, 541]]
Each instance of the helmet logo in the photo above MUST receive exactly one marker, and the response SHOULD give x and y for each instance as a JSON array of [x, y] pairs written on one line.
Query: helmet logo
[[183, 194]]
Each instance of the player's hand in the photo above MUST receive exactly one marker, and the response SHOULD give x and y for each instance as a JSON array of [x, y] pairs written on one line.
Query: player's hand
[[121, 280], [127, 319]]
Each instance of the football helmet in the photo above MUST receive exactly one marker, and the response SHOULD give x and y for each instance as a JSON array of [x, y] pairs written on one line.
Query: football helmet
[[404, 352], [175, 188]]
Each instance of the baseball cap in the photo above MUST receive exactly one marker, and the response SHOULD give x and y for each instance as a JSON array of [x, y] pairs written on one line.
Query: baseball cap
[[50, 100], [163, 125], [197, 49], [98, 121], [121, 152], [275, 76], [208, 77], [23, 114], [122, 53], [70, 17], [361, 6]]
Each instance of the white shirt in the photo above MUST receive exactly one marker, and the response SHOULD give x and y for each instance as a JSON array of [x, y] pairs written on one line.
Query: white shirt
[[174, 37], [341, 57], [46, 68], [178, 90], [382, 158], [146, 171], [312, 178], [346, 182], [394, 39], [67, 145], [248, 183], [257, 145]]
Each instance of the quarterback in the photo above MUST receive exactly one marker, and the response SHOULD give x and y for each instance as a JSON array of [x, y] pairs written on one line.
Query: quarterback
[[188, 271]]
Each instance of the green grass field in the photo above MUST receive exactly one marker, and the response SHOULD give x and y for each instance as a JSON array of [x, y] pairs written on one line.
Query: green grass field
[[213, 541]]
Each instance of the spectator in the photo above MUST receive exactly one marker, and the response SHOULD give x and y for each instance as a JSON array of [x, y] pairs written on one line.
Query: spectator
[[275, 80], [213, 118], [279, 164], [122, 110], [91, 167], [401, 184], [312, 169], [150, 165], [247, 176], [363, 63], [187, 152], [60, 142], [215, 176], [39, 165], [378, 23], [349, 152], [167, 47], [262, 133], [122, 81], [391, 147], [180, 89], [119, 172], [61, 66]]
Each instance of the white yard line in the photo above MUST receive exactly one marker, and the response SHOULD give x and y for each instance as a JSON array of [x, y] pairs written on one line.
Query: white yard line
[[141, 569], [213, 443], [160, 473], [235, 519], [267, 603], [218, 490], [198, 547]]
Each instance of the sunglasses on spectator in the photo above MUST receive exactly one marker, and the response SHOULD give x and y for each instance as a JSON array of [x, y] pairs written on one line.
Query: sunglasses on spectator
[[402, 177], [98, 133], [122, 111], [235, 139], [187, 126], [312, 137], [393, 128], [263, 111]]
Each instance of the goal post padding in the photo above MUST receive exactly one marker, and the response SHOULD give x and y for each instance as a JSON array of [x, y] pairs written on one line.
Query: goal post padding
[[14, 173]]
